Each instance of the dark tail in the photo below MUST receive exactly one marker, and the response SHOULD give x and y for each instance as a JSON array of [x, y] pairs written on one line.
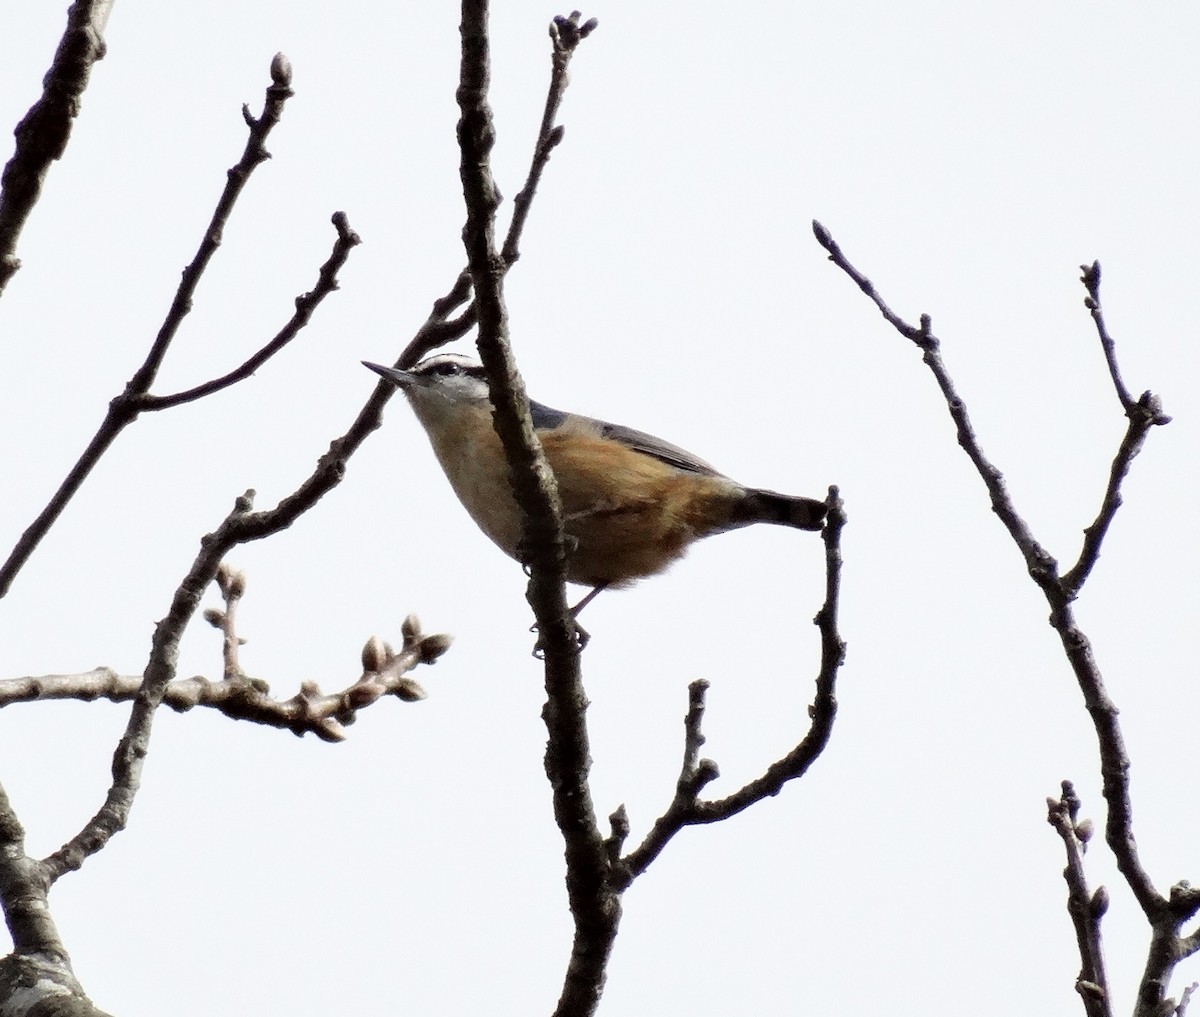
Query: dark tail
[[769, 507]]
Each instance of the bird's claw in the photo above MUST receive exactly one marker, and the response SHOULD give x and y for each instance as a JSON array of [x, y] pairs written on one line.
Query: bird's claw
[[582, 638]]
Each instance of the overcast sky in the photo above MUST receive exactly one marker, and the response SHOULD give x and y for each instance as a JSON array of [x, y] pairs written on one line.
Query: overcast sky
[[968, 158]]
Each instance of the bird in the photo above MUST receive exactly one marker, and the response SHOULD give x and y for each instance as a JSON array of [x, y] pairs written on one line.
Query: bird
[[632, 503]]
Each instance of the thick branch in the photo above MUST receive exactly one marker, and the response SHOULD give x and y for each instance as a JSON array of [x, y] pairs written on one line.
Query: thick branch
[[43, 133], [594, 905], [38, 971], [24, 885]]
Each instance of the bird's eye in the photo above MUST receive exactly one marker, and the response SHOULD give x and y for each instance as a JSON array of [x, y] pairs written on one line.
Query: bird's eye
[[446, 368]]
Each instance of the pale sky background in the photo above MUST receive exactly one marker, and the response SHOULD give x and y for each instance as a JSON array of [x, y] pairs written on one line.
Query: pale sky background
[[968, 157]]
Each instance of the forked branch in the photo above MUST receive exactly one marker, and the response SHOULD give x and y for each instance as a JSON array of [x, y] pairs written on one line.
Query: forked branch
[[125, 408], [1165, 915]]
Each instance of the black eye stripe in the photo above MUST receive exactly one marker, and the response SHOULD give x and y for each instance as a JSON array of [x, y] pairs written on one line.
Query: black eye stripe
[[453, 369]]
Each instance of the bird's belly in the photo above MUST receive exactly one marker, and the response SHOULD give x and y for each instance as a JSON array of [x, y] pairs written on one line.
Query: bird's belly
[[478, 473]]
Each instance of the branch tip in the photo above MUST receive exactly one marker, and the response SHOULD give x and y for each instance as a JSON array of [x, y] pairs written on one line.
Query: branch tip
[[567, 32], [281, 70]]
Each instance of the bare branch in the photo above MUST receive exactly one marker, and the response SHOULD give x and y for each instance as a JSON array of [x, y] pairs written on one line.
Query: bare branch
[[160, 672], [241, 697], [324, 715], [232, 584], [1185, 998], [44, 131], [694, 775], [1165, 916], [686, 808], [1042, 567], [38, 964], [595, 906], [1085, 908], [278, 93], [245, 698], [23, 890], [1143, 413], [306, 304], [566, 33], [124, 409], [437, 329], [1091, 282]]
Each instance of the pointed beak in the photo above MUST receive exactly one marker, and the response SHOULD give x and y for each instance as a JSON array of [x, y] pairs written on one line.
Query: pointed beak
[[401, 379]]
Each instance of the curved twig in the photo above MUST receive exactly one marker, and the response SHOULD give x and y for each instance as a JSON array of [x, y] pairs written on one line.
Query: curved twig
[[306, 303], [687, 808]]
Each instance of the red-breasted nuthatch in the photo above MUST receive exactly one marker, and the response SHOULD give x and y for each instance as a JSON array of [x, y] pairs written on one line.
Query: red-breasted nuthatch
[[631, 503]]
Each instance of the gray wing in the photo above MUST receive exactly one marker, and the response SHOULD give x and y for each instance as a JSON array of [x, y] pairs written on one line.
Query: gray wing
[[639, 441]]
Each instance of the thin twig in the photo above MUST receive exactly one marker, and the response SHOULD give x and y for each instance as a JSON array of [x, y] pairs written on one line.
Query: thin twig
[[1091, 282], [565, 36], [437, 329], [44, 131], [239, 697], [125, 408], [1042, 566], [232, 584], [1085, 907], [306, 303], [686, 808], [1143, 413], [255, 153]]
